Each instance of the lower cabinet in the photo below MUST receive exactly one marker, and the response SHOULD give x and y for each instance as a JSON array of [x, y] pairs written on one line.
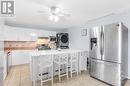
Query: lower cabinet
[[1, 76], [20, 57]]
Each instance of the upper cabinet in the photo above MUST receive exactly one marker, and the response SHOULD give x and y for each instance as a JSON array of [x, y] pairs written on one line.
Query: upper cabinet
[[10, 34], [1, 33], [25, 34], [1, 29]]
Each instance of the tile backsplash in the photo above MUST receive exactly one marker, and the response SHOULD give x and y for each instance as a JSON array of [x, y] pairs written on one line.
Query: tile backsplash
[[20, 45]]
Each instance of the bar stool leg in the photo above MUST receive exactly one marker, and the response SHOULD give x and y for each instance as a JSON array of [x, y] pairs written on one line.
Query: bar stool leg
[[67, 70], [77, 68], [79, 63], [59, 74], [77, 71], [52, 82], [41, 78], [34, 83], [52, 75], [71, 70]]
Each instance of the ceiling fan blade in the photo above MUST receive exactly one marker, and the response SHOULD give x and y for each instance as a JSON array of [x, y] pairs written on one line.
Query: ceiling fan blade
[[45, 12], [64, 14], [42, 11]]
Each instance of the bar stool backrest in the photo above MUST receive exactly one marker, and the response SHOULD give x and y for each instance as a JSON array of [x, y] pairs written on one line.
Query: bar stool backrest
[[83, 54], [61, 57], [43, 59], [74, 56]]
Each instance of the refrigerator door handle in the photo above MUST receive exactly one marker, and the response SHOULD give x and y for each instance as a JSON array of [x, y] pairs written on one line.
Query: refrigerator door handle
[[102, 49], [101, 43]]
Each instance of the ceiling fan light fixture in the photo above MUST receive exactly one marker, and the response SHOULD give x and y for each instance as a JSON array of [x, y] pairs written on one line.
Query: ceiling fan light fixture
[[55, 13], [57, 10], [54, 18], [51, 18]]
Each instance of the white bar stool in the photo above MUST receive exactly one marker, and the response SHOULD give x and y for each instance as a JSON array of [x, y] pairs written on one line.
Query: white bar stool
[[82, 60], [45, 63], [73, 63], [61, 60]]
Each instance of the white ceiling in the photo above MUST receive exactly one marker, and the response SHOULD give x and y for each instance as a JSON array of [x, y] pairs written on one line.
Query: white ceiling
[[27, 12]]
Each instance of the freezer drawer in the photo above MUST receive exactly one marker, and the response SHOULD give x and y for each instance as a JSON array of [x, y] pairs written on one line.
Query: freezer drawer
[[106, 71]]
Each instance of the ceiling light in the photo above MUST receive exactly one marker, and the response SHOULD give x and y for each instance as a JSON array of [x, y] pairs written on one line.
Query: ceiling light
[[54, 18], [55, 13], [57, 10], [51, 17]]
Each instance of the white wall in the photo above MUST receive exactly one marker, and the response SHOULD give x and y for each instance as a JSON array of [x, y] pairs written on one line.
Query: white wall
[[80, 42], [76, 41]]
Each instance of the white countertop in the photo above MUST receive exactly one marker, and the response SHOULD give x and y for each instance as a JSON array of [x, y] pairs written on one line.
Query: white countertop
[[45, 52]]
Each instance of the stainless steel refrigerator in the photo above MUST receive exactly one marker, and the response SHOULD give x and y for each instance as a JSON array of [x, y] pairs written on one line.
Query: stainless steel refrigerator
[[109, 53]]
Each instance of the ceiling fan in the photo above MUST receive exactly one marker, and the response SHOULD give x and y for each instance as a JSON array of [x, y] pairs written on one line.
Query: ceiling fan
[[55, 13]]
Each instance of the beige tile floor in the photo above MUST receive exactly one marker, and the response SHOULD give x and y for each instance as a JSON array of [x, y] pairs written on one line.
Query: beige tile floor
[[20, 76]]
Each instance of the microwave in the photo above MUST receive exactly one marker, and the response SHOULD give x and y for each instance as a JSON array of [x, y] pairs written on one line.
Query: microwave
[[52, 38]]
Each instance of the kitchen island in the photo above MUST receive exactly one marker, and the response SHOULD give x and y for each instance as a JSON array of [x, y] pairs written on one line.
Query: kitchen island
[[82, 61]]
